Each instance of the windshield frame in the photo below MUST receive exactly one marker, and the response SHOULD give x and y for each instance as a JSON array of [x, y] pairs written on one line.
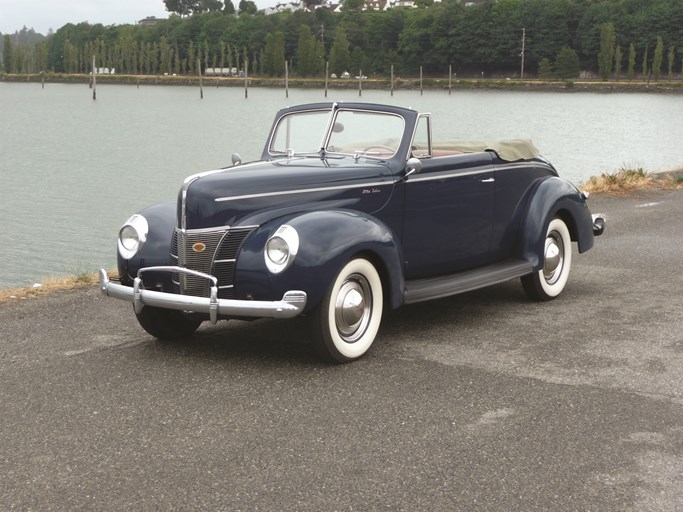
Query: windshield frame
[[323, 149]]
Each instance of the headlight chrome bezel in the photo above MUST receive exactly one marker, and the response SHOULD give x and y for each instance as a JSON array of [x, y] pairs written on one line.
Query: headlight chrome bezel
[[132, 236], [281, 249]]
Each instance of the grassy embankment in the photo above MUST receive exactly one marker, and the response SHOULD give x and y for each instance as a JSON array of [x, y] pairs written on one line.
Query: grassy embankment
[[627, 181], [624, 182], [51, 285]]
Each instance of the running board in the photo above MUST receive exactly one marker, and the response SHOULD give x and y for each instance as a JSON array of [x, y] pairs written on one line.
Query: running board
[[437, 287]]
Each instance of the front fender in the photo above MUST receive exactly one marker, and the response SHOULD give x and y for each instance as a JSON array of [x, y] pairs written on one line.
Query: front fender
[[554, 197], [327, 240], [161, 219]]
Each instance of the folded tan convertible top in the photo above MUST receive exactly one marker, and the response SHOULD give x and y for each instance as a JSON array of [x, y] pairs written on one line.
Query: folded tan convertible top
[[511, 150]]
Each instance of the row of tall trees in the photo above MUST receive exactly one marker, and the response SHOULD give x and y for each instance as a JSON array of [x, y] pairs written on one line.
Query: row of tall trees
[[610, 58], [601, 35]]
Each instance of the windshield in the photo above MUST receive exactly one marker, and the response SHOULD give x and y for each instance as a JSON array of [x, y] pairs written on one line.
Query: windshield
[[354, 132], [301, 132]]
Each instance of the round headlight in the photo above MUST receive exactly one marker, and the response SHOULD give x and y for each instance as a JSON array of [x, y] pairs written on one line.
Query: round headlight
[[129, 238], [281, 248], [277, 250], [132, 236]]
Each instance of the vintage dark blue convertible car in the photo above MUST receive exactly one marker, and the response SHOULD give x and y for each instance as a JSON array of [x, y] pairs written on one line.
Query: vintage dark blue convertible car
[[352, 208]]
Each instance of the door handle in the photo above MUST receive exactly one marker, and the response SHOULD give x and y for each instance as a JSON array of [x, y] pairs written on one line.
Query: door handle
[[488, 180]]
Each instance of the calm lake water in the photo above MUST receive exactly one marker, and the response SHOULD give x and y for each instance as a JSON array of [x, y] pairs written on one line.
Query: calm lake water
[[72, 170]]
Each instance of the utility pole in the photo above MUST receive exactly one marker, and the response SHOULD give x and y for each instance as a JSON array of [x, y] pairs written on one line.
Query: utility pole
[[521, 74]]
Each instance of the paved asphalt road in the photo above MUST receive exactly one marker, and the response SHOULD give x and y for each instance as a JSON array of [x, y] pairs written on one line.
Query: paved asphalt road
[[484, 401]]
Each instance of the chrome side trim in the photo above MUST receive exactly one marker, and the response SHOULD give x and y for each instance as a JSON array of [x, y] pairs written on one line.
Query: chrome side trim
[[183, 201], [292, 304], [518, 164], [304, 191], [198, 175], [444, 176]]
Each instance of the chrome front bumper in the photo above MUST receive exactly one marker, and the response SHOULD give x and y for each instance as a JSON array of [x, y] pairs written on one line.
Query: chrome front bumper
[[291, 305]]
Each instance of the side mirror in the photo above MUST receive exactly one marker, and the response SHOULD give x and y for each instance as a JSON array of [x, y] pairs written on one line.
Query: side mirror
[[236, 159], [413, 166]]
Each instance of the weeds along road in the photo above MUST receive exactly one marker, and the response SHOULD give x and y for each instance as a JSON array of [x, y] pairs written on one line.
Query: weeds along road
[[484, 401]]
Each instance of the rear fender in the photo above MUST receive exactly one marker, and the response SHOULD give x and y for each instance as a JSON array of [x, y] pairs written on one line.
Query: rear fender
[[327, 240], [554, 197]]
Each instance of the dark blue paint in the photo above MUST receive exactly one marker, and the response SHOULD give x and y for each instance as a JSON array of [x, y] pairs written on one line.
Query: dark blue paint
[[457, 213]]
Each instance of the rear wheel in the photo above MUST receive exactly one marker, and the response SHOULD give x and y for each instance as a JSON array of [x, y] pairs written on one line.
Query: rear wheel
[[346, 322], [167, 324], [548, 283]]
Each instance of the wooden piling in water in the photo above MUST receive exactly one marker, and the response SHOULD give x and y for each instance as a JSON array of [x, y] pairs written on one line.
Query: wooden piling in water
[[327, 74], [199, 73], [420, 80], [286, 79], [246, 81], [94, 79], [450, 76], [392, 80], [360, 82]]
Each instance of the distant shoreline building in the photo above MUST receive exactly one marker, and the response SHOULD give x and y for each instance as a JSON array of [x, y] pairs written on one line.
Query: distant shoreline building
[[336, 5], [332, 5], [150, 21]]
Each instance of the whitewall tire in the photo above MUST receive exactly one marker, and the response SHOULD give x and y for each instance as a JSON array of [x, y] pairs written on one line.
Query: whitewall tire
[[548, 283], [347, 321]]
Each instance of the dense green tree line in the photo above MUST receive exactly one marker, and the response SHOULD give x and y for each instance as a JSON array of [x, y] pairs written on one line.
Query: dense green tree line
[[562, 37]]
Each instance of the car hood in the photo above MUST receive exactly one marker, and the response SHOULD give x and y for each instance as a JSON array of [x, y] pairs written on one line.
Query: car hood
[[254, 193]]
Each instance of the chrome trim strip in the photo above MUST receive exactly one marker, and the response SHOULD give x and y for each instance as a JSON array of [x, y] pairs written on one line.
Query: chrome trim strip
[[518, 164], [183, 196], [304, 191], [233, 260], [198, 175], [433, 177], [292, 304]]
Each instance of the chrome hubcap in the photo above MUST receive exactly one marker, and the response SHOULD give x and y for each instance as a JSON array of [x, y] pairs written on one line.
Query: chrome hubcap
[[554, 258], [352, 308]]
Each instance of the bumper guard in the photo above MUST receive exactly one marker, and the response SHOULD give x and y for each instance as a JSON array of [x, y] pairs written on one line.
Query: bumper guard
[[291, 305], [599, 224]]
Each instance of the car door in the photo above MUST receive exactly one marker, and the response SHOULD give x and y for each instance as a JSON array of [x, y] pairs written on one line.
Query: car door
[[448, 219]]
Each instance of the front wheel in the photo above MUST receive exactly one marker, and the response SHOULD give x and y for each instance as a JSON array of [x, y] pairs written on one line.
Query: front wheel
[[548, 283], [347, 320], [167, 324]]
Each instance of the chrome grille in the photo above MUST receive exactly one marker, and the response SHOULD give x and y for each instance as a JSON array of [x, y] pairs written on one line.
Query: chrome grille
[[188, 257], [224, 263], [218, 258]]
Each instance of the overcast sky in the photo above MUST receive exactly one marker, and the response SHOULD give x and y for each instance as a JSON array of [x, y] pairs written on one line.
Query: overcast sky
[[43, 15]]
